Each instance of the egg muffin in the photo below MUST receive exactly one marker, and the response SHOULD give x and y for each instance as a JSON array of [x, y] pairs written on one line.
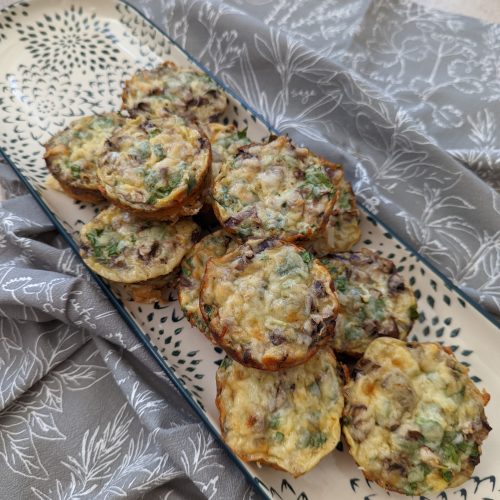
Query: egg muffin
[[413, 419], [155, 168], [288, 419], [193, 269], [149, 291], [268, 304], [374, 300], [71, 155], [225, 141], [169, 89], [122, 248], [274, 190], [342, 230]]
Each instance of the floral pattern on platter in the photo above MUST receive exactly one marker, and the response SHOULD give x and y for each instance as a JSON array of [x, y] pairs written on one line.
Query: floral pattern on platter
[[34, 104], [70, 40]]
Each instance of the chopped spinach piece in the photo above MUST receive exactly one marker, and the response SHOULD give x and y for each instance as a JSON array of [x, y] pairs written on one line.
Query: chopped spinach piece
[[306, 257], [340, 283], [279, 437], [344, 200], [208, 309], [274, 421], [242, 134], [103, 122], [191, 183], [447, 475], [226, 362], [75, 170], [412, 312], [112, 248], [158, 151]]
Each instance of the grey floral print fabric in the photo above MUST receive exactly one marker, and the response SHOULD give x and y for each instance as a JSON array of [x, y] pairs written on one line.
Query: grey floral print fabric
[[85, 412], [406, 98]]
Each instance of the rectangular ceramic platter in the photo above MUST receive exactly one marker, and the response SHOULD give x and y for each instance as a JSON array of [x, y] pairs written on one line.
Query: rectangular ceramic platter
[[61, 60]]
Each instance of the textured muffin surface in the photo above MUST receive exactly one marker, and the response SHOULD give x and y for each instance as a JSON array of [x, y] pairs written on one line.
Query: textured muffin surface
[[342, 231], [123, 248], [374, 300], [268, 304], [170, 89], [193, 269], [274, 190], [71, 155], [289, 419], [154, 164], [413, 419]]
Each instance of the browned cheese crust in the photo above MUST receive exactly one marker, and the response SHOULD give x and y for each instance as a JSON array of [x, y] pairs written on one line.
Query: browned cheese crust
[[274, 190], [155, 168], [413, 419], [268, 304]]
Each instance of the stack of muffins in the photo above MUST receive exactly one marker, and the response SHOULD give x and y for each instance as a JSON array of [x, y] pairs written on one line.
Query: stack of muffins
[[275, 284]]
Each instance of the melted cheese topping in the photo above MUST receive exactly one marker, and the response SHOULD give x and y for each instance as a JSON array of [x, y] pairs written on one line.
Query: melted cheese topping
[[168, 89], [193, 269], [225, 141], [154, 164], [274, 190], [342, 230], [122, 248], [414, 421], [374, 300], [288, 419], [72, 153], [268, 304]]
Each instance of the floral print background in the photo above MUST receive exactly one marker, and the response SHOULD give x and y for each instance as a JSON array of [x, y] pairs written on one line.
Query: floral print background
[[406, 98]]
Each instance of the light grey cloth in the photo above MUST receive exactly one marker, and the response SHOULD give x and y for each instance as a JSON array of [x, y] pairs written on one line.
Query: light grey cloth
[[406, 98]]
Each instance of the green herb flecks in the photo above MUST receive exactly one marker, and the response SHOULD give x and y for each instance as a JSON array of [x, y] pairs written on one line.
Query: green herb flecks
[[103, 122], [274, 421], [225, 199], [279, 437], [158, 152], [157, 192], [306, 257], [340, 283], [75, 170], [317, 184], [344, 200], [187, 267], [413, 313], [191, 183], [447, 475], [103, 249]]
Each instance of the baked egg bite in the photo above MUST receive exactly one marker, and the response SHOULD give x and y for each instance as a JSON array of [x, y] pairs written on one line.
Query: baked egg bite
[[193, 269], [288, 419], [274, 190], [168, 89], [225, 141], [122, 248], [342, 230], [374, 300], [268, 304], [413, 419], [71, 154], [155, 168]]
